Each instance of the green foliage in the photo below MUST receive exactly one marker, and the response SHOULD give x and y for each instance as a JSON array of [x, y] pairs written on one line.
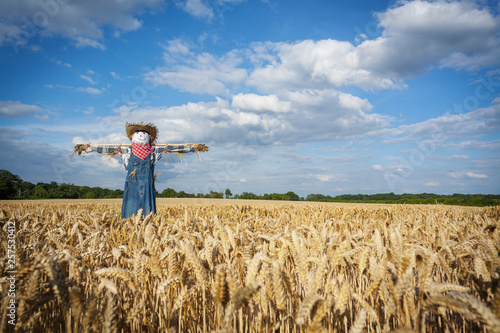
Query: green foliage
[[171, 193], [247, 195], [168, 193], [26, 189], [289, 196], [40, 192], [13, 187], [9, 184], [406, 198]]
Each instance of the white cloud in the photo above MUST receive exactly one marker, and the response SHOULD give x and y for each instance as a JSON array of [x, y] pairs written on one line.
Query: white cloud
[[207, 9], [203, 73], [80, 21], [421, 34], [82, 42], [324, 178], [78, 140], [116, 76], [8, 34], [416, 36], [226, 123], [197, 8], [475, 175], [90, 110], [177, 50], [450, 158], [450, 126], [474, 145], [90, 90], [469, 174], [213, 121], [59, 62], [413, 41], [16, 109], [297, 106], [84, 22], [252, 102], [315, 64], [88, 79]]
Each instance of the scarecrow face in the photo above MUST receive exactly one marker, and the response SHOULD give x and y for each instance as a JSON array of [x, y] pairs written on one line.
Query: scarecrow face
[[140, 137]]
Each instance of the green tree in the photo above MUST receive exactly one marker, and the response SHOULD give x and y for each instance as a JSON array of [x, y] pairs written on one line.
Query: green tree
[[26, 190], [117, 193], [292, 196], [248, 195], [216, 195], [40, 193], [228, 193], [169, 193], [9, 184]]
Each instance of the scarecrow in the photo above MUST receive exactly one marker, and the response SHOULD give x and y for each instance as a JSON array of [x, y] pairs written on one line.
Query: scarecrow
[[139, 159]]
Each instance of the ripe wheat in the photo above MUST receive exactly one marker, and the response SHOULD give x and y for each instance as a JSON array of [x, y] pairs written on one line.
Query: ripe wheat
[[235, 267]]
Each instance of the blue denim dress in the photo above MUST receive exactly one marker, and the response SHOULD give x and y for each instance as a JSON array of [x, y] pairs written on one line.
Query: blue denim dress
[[139, 187]]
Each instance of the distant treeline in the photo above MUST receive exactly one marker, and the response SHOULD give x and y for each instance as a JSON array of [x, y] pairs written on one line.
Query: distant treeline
[[408, 198], [13, 187]]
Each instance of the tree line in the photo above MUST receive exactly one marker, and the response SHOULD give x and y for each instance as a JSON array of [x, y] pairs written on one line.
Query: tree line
[[13, 187], [410, 198]]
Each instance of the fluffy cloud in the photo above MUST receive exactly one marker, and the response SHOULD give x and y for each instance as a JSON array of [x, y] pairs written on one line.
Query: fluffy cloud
[[206, 9], [256, 103], [16, 109], [203, 73], [317, 65], [469, 174], [116, 76], [88, 79], [251, 119], [450, 126], [416, 36], [197, 8], [421, 34], [81, 21], [474, 145], [90, 90], [82, 42]]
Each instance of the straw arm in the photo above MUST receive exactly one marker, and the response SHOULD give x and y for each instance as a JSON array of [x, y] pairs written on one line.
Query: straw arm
[[128, 144], [162, 147]]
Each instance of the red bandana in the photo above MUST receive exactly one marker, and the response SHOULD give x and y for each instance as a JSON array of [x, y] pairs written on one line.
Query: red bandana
[[141, 151]]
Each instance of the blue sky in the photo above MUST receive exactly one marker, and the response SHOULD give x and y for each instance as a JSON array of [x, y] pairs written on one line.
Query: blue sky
[[313, 96]]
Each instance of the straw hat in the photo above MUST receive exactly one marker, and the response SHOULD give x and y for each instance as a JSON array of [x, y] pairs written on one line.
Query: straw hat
[[147, 127]]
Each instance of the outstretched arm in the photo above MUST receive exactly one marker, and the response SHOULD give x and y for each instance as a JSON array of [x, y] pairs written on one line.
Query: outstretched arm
[[125, 149], [110, 150], [101, 149], [180, 148]]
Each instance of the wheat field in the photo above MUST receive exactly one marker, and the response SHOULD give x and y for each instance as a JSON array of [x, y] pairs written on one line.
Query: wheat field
[[238, 266]]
